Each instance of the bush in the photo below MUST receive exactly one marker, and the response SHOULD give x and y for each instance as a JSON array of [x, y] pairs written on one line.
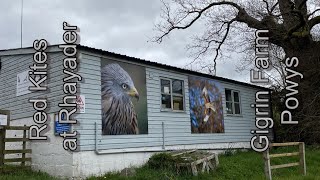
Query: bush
[[161, 161]]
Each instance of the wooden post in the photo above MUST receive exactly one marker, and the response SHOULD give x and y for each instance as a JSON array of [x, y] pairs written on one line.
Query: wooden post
[[2, 144], [301, 154], [267, 168], [302, 162], [24, 145], [3, 136], [216, 159], [194, 169]]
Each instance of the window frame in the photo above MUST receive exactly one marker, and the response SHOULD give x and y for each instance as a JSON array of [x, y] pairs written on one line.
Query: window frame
[[233, 102], [172, 94]]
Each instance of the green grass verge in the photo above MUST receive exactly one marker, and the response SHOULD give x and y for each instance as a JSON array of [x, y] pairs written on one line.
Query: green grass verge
[[20, 173], [242, 165]]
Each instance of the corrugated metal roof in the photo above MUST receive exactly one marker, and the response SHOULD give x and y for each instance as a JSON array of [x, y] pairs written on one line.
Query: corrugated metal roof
[[151, 63], [165, 66]]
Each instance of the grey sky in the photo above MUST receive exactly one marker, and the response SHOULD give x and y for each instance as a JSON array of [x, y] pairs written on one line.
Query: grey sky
[[123, 26]]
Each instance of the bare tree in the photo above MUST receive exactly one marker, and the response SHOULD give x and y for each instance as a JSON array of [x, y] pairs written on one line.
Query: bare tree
[[293, 27]]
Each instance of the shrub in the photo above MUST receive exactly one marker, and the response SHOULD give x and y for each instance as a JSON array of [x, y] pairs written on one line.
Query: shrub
[[161, 161]]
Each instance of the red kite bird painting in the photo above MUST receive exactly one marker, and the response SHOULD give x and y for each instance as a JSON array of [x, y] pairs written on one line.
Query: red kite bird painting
[[123, 99], [118, 115]]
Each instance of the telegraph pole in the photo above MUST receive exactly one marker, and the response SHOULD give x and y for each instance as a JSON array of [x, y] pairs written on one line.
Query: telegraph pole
[[21, 19]]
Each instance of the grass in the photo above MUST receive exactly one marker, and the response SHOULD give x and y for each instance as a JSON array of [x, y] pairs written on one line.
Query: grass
[[241, 165], [19, 173]]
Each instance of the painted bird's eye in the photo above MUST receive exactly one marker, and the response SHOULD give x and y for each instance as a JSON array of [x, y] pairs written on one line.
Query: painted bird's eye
[[124, 86]]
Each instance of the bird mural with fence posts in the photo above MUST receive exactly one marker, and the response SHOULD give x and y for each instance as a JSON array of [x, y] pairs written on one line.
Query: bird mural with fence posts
[[206, 110], [119, 98]]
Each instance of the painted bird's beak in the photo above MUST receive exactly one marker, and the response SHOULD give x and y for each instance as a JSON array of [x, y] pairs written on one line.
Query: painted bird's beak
[[134, 93]]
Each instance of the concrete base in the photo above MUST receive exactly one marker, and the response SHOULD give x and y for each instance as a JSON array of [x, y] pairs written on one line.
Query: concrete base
[[49, 156], [88, 163]]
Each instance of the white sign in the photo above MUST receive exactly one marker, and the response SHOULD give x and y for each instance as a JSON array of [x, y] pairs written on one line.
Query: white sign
[[3, 120], [23, 83], [81, 103]]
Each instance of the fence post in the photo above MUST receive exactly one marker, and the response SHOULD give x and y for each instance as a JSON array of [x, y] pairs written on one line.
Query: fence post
[[302, 162], [3, 136], [2, 144], [267, 168], [24, 145]]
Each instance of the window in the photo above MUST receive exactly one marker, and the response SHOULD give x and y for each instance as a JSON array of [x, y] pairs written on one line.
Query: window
[[233, 102], [172, 97]]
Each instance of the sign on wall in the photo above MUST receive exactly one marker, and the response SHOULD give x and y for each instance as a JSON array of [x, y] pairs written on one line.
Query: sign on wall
[[124, 98], [3, 120], [81, 103], [23, 83], [60, 128], [206, 110]]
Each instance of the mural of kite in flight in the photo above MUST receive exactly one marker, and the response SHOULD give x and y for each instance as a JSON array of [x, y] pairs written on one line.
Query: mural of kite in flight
[[209, 106], [206, 110]]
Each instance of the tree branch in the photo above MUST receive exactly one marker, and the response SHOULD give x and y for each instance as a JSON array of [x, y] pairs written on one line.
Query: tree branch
[[204, 43], [274, 6], [302, 4], [267, 6], [289, 14], [301, 23], [295, 18], [314, 21], [311, 14], [270, 10], [220, 44], [241, 17]]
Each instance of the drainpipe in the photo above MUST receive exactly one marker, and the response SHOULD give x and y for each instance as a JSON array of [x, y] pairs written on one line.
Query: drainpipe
[[96, 148], [163, 140]]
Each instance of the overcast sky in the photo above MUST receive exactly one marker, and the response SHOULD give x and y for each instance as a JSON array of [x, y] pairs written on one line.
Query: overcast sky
[[122, 26]]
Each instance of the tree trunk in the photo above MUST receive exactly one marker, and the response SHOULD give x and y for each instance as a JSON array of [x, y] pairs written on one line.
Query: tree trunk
[[308, 111]]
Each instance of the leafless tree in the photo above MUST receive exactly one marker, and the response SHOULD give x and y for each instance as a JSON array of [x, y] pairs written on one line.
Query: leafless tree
[[293, 27]]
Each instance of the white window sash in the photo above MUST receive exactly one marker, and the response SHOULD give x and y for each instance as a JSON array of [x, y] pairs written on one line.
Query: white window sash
[[173, 94]]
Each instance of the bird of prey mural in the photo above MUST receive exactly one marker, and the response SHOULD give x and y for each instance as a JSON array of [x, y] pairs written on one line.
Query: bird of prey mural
[[206, 110], [118, 113], [209, 106]]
